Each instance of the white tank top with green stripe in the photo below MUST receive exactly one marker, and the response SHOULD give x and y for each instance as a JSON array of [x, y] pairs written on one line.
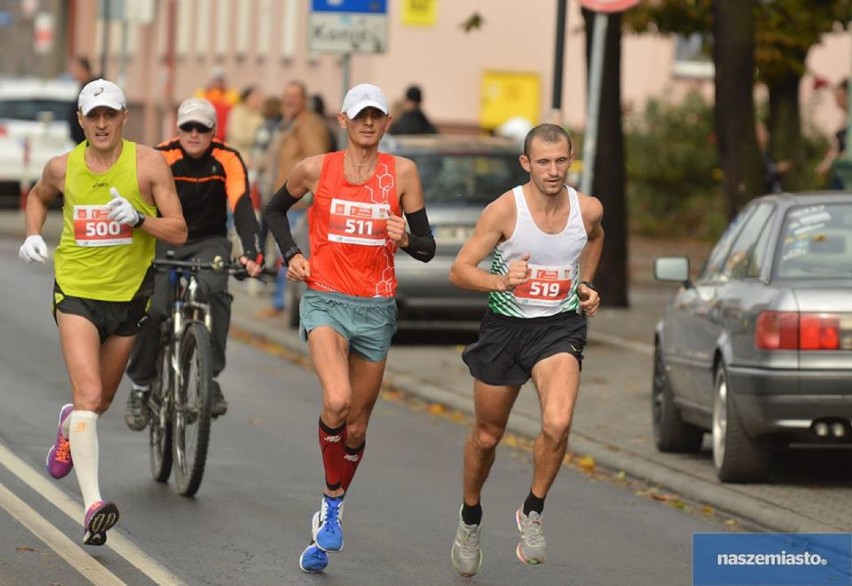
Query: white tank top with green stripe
[[554, 261], [98, 258]]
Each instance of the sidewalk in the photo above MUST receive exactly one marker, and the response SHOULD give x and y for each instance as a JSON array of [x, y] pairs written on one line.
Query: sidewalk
[[612, 424]]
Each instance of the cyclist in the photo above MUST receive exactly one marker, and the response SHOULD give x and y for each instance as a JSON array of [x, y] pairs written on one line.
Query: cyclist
[[210, 178], [348, 314], [119, 198]]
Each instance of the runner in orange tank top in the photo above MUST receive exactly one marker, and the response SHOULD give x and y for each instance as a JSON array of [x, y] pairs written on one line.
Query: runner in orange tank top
[[348, 313], [350, 250]]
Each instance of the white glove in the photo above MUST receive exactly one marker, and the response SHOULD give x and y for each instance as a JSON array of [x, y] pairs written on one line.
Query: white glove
[[33, 249], [120, 209]]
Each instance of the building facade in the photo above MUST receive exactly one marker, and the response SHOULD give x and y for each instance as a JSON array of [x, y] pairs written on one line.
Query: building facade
[[161, 51]]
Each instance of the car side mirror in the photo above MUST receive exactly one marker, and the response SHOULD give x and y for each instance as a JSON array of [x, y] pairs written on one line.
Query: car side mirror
[[673, 269]]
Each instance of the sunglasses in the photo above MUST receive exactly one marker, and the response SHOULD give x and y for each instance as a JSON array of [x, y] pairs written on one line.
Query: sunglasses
[[190, 126]]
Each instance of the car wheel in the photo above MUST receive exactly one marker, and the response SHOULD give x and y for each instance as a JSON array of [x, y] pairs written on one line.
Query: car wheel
[[671, 433], [737, 456]]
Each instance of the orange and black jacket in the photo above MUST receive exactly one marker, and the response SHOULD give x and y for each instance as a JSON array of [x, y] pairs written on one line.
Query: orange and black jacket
[[207, 187]]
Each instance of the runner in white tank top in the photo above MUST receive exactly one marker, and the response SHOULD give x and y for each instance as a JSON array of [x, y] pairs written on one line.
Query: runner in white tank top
[[554, 263], [547, 240]]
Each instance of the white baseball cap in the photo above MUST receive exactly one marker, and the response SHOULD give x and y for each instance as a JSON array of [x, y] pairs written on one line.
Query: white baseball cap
[[101, 92], [364, 95], [197, 110]]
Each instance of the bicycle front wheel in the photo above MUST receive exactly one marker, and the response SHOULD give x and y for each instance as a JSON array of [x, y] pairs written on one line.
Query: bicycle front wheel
[[193, 403], [160, 428]]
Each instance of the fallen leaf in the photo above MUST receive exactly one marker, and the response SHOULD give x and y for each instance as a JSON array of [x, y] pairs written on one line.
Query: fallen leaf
[[436, 409], [586, 463]]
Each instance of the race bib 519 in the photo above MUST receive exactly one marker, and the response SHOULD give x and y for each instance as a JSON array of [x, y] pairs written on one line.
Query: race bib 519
[[548, 286]]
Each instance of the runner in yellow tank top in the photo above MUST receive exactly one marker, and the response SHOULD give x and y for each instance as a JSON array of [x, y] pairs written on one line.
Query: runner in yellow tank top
[[119, 198]]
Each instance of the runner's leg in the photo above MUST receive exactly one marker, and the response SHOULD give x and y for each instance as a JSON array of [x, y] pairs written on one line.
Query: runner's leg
[[329, 355], [492, 405], [366, 380], [95, 371], [557, 379]]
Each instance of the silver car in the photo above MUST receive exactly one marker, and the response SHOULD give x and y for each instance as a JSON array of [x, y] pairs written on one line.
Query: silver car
[[460, 176], [758, 349]]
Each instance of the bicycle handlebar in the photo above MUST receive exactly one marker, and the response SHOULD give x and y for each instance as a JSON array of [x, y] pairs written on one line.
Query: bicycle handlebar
[[218, 264]]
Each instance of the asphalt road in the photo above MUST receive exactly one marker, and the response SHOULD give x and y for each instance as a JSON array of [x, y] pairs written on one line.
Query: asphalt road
[[249, 521]]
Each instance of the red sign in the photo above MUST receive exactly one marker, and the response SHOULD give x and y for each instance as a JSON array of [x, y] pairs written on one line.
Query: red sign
[[608, 5]]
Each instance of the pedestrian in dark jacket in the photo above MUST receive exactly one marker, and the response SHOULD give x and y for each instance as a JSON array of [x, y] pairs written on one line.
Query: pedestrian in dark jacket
[[413, 119]]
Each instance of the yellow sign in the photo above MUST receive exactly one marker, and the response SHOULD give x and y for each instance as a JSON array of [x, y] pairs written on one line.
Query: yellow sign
[[419, 12], [509, 94]]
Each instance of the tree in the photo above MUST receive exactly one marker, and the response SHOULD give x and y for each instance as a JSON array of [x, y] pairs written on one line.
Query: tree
[[783, 31], [733, 57], [609, 172]]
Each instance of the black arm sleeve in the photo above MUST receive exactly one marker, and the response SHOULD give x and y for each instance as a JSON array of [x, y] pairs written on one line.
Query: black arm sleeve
[[421, 243], [275, 216], [247, 227]]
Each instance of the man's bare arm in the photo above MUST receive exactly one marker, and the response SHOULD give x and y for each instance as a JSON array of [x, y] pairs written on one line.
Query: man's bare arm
[[45, 190], [592, 211], [490, 229], [170, 227], [410, 187]]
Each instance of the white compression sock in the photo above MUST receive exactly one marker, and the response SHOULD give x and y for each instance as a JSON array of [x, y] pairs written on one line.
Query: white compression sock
[[83, 435], [66, 425]]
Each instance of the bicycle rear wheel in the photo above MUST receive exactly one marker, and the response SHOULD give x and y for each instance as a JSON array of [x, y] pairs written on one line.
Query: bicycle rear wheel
[[159, 406], [193, 403]]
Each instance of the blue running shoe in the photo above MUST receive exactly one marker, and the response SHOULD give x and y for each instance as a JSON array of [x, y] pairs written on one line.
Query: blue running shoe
[[313, 559], [327, 532]]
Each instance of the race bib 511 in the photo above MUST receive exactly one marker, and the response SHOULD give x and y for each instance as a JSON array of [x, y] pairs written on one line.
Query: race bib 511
[[360, 223]]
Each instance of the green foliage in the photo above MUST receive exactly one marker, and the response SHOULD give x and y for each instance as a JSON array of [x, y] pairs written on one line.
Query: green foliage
[[669, 16], [673, 176], [673, 172], [785, 29]]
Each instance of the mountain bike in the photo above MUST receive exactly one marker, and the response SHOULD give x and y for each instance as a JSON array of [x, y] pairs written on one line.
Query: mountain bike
[[181, 396]]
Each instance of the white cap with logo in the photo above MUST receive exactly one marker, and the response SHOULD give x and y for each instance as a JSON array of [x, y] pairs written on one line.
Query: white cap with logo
[[364, 95], [101, 92], [197, 110]]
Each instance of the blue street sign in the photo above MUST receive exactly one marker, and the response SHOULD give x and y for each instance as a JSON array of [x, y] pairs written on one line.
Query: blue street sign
[[348, 26], [360, 6]]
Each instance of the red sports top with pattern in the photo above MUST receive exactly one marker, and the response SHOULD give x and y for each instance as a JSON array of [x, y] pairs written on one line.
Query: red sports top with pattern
[[350, 249]]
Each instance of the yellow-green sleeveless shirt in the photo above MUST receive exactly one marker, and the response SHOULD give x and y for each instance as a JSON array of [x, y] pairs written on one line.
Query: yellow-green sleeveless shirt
[[98, 258]]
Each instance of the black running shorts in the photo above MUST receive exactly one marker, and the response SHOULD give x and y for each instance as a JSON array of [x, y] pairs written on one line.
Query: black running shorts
[[509, 347], [111, 318]]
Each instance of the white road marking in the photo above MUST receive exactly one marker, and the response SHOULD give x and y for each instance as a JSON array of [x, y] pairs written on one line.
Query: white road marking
[[117, 542], [56, 540]]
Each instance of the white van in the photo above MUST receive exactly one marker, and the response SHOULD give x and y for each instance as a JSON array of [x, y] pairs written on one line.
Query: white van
[[34, 126]]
